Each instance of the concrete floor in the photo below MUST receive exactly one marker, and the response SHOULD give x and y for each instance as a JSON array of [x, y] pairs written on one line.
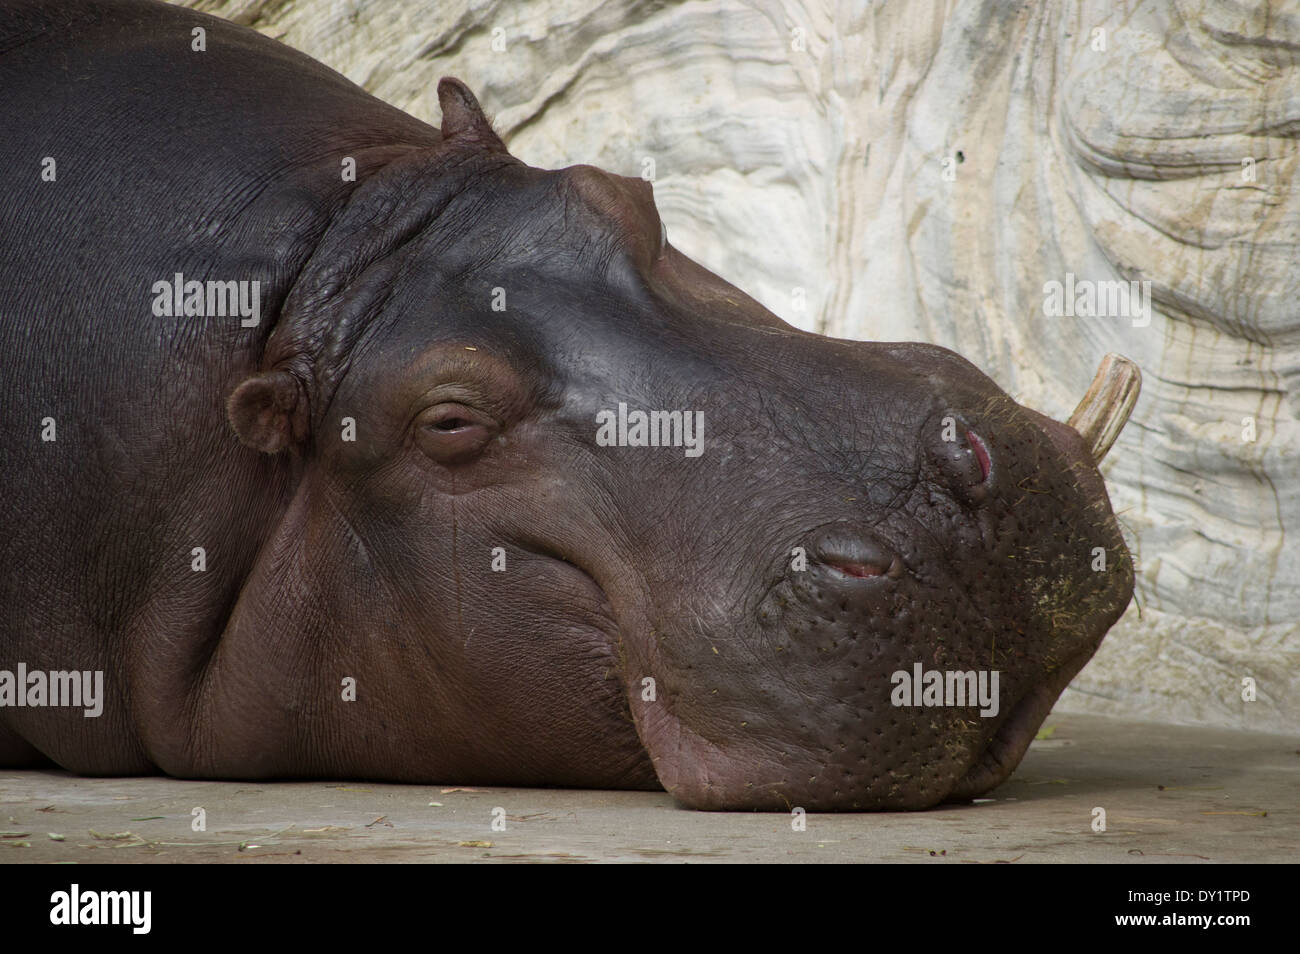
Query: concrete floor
[[1171, 794]]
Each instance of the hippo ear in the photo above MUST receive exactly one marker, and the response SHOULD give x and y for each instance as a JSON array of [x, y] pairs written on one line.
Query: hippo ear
[[462, 116], [268, 411]]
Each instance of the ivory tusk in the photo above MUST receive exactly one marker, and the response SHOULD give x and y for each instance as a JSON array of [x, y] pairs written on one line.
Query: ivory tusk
[[1104, 410]]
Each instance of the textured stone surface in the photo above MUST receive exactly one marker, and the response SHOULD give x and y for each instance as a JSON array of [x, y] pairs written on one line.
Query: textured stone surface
[[1171, 795], [920, 171]]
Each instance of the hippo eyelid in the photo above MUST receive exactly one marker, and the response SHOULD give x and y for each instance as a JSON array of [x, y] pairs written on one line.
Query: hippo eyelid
[[453, 433], [451, 416], [448, 425]]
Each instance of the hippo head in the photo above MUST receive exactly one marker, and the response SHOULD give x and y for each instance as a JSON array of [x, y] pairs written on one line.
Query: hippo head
[[573, 510]]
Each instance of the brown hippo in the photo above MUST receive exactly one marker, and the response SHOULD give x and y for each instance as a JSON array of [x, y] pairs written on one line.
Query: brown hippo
[[338, 445]]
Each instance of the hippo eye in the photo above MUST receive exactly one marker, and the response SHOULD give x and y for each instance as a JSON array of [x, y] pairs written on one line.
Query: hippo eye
[[449, 424], [453, 433]]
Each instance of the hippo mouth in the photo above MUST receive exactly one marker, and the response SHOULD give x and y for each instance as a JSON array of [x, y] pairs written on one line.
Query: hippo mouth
[[1012, 738], [698, 773], [1092, 429], [1085, 440], [717, 776], [728, 773]]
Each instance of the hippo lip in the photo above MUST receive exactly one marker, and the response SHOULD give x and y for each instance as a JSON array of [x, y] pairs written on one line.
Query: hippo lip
[[1065, 438], [698, 773], [599, 598], [680, 756], [1011, 739], [704, 775]]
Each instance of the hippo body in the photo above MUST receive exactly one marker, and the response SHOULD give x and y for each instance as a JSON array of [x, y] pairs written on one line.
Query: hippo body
[[391, 513]]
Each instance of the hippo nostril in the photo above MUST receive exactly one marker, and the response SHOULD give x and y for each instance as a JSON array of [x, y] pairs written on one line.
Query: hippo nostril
[[854, 552], [981, 453], [857, 569], [962, 458]]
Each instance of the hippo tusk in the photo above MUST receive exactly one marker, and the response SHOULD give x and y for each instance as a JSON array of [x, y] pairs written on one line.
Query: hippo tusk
[[1104, 410]]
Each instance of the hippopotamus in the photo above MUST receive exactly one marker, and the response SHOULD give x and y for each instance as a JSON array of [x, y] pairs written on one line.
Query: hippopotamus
[[337, 445]]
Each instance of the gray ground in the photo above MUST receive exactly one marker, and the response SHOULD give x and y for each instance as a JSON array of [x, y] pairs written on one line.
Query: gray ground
[[1171, 794]]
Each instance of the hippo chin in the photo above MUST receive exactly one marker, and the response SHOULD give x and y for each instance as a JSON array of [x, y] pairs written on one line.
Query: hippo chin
[[344, 446]]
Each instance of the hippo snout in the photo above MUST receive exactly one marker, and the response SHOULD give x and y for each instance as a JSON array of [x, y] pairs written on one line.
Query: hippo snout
[[912, 640]]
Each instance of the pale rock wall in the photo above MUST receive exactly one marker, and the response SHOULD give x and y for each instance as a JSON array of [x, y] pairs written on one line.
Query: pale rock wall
[[814, 146]]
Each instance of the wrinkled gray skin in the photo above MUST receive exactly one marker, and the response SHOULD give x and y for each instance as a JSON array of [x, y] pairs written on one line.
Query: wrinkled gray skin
[[476, 429]]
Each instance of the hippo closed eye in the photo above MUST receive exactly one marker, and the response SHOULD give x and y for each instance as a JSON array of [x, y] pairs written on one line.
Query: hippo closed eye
[[345, 446]]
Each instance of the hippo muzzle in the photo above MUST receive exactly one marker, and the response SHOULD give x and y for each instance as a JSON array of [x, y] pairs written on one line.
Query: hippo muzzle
[[899, 658]]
